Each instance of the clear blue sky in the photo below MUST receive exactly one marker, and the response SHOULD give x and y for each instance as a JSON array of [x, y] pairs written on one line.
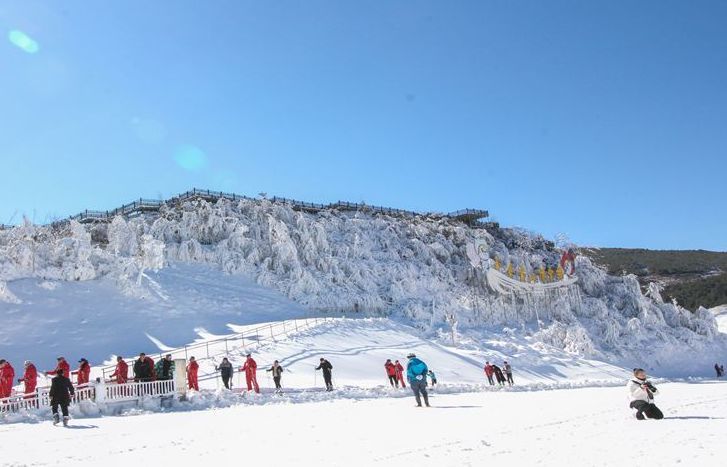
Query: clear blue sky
[[606, 121]]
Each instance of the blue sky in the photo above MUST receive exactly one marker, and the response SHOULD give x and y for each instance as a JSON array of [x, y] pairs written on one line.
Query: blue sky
[[605, 121]]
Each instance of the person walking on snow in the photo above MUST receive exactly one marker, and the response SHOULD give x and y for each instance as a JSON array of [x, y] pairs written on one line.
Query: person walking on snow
[[399, 373], [164, 368], [641, 392], [61, 391], [391, 374], [250, 369], [489, 371], [121, 372], [498, 375], [61, 365], [432, 377], [416, 373], [277, 371], [30, 378], [225, 370], [718, 370], [327, 369], [508, 373], [83, 373], [192, 370], [7, 378]]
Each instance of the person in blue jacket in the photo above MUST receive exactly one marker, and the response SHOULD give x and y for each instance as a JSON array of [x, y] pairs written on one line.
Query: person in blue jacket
[[416, 373]]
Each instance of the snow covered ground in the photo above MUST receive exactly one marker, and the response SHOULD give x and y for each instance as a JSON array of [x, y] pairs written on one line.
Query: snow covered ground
[[589, 426]]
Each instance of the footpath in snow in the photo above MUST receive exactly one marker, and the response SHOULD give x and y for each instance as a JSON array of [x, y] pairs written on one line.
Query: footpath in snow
[[589, 426]]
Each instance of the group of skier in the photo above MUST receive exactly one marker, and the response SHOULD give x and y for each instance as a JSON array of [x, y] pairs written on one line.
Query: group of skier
[[495, 373], [30, 375], [719, 369]]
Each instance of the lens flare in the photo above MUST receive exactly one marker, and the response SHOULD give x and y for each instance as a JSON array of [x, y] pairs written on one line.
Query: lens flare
[[190, 157], [23, 41]]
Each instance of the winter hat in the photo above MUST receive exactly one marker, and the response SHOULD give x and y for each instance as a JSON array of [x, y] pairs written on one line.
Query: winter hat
[[83, 360], [411, 355]]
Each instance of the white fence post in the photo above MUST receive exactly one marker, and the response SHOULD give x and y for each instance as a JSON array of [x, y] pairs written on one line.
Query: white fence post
[[180, 376]]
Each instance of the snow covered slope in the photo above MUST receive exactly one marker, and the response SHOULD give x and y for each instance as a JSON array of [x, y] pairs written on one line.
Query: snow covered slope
[[94, 319], [414, 269]]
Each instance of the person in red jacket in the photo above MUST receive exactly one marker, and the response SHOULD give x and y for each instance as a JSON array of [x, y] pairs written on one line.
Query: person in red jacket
[[7, 378], [83, 372], [192, 370], [399, 373], [29, 379], [391, 373], [121, 372], [250, 369], [61, 365], [489, 371]]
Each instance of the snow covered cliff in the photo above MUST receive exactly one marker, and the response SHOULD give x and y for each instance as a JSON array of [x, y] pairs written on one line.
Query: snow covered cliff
[[416, 268]]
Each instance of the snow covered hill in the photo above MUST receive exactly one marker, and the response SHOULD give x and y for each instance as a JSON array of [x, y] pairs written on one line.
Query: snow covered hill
[[720, 314], [97, 289]]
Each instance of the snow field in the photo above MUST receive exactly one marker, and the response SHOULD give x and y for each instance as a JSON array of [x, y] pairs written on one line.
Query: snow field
[[590, 427]]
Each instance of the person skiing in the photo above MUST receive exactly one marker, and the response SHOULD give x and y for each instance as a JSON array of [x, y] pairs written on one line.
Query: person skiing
[[164, 368], [7, 378], [225, 369], [327, 369], [277, 371], [192, 370], [83, 373], [508, 372], [718, 370], [61, 391], [432, 377], [29, 379], [391, 373], [641, 392], [498, 375], [61, 365], [399, 373], [121, 372], [489, 371], [416, 373], [250, 369]]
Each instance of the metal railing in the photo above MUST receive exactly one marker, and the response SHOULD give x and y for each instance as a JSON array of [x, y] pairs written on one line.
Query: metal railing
[[40, 398], [143, 205], [135, 391], [208, 349]]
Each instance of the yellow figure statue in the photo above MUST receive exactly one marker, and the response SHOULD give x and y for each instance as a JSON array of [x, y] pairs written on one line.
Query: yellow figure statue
[[541, 273], [560, 273], [521, 273], [510, 272], [497, 264], [551, 274]]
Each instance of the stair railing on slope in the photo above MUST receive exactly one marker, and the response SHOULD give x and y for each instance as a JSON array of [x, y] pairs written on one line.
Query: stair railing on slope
[[253, 336]]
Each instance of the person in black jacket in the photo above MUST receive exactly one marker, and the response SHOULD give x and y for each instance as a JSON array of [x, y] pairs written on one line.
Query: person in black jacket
[[277, 373], [61, 391], [142, 372], [498, 375], [225, 370], [326, 366]]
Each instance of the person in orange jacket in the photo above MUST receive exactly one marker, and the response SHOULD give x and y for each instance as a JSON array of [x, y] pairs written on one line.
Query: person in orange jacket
[[250, 369], [61, 365], [30, 378], [83, 373], [7, 378], [391, 373], [192, 370], [121, 372], [399, 373]]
